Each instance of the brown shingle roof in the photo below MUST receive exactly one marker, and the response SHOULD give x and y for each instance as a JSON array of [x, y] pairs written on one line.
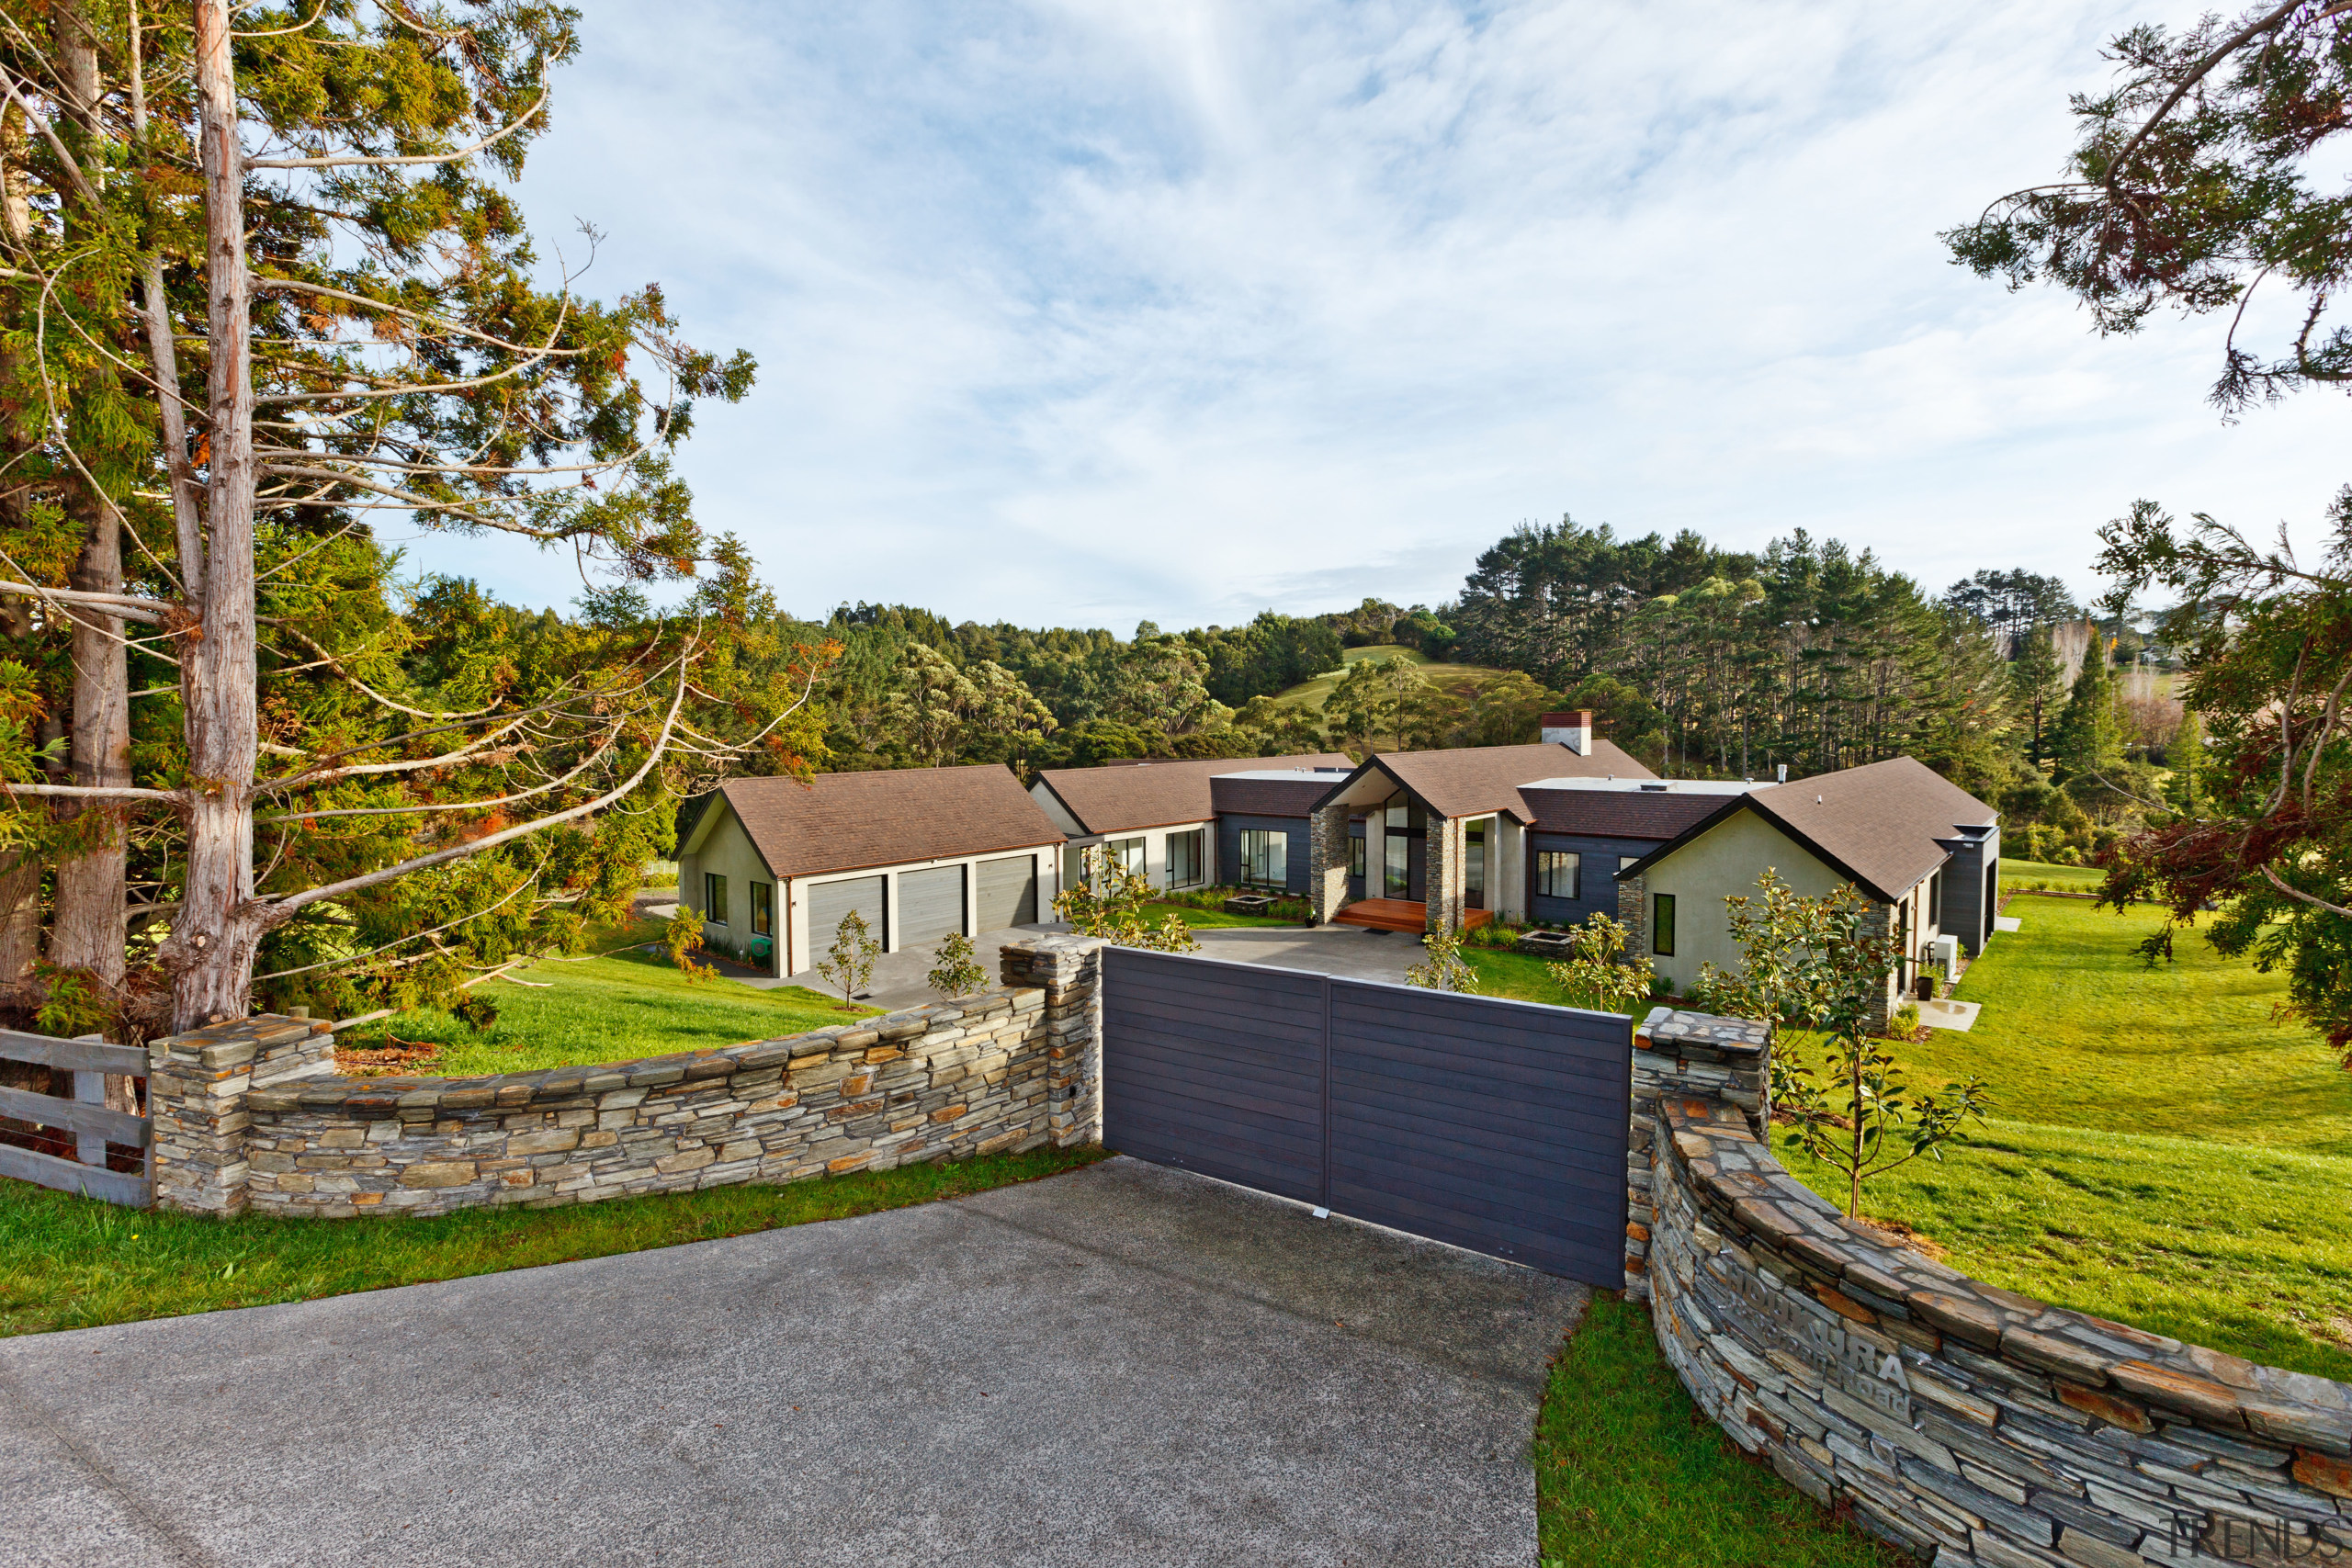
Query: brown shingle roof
[[849, 821], [1155, 794], [1607, 814], [1879, 822], [1473, 781]]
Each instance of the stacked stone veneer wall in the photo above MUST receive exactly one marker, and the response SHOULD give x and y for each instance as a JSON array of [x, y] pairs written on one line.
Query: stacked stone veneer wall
[[1967, 1424], [1014, 1068]]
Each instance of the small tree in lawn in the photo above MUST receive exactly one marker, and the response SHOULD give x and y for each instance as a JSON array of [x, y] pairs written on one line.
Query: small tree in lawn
[[849, 962], [1444, 969], [1108, 902], [954, 973], [1598, 974], [1822, 963], [683, 939]]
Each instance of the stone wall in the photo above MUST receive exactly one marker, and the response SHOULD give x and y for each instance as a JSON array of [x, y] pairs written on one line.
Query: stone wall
[[1014, 1068], [1967, 1424]]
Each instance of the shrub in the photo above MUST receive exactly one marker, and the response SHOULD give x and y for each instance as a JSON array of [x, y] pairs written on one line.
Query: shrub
[[954, 973]]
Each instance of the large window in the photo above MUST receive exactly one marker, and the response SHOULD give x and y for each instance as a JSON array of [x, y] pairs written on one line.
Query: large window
[[1265, 857], [714, 898], [1184, 867], [1559, 874], [1126, 854], [763, 908], [1662, 925], [1396, 872]]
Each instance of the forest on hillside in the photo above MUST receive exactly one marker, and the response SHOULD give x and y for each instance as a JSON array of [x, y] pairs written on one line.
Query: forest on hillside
[[1701, 661]]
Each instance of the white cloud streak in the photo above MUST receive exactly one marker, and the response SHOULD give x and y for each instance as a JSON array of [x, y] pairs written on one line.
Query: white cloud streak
[[1091, 310]]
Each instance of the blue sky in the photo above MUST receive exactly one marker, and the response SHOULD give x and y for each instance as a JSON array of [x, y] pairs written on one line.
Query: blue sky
[[1078, 311]]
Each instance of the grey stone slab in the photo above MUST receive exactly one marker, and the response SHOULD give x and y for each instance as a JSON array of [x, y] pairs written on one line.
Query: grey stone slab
[[1121, 1365]]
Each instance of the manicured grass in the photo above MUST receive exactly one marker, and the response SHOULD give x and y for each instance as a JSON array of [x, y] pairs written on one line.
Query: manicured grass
[[1522, 976], [606, 1009], [68, 1262], [2020, 874], [2242, 1249], [2077, 1031], [1629, 1474], [2163, 1154]]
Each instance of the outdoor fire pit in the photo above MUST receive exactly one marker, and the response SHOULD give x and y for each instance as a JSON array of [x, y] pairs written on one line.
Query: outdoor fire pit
[[1545, 944], [1249, 904]]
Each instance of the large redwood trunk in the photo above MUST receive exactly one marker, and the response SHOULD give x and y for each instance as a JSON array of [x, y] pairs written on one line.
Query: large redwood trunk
[[212, 943]]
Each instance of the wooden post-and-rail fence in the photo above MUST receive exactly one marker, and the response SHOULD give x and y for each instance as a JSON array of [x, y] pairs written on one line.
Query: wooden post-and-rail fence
[[85, 1117]]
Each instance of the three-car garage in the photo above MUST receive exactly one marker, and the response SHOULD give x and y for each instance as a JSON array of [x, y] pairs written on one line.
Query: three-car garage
[[919, 854]]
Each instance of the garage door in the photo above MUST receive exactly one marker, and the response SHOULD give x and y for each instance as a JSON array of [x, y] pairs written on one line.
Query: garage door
[[931, 905], [1008, 892], [829, 901]]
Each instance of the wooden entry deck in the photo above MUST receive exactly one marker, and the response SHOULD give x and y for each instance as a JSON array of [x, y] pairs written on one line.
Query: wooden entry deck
[[1399, 915]]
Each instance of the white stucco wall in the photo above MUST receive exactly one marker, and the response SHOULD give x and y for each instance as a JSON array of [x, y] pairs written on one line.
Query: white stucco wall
[[1726, 861], [721, 847]]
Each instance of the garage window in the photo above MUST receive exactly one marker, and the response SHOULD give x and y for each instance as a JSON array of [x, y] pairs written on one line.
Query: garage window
[[1559, 875], [714, 898], [763, 908]]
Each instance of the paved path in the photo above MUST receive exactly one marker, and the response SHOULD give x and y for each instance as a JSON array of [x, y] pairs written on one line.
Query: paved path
[[1126, 1365]]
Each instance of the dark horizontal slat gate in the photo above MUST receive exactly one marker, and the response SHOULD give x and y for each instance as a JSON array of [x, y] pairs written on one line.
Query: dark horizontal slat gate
[[1494, 1125]]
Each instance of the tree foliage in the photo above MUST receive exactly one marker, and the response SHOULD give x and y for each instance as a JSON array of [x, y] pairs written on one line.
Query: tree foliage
[[2201, 175]]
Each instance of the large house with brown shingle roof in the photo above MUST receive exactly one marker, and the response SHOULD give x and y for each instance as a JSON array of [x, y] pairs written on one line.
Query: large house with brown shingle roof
[[1550, 833], [773, 864]]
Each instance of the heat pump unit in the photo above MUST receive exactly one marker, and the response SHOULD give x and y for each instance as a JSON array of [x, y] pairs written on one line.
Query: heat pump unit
[[1947, 949]]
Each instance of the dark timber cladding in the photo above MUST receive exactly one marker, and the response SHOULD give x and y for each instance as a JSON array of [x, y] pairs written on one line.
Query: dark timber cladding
[[1494, 1125]]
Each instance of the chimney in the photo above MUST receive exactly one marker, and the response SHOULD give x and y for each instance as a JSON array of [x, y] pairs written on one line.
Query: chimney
[[1573, 730]]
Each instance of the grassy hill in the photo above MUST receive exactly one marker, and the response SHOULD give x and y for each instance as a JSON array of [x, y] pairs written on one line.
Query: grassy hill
[[1460, 681]]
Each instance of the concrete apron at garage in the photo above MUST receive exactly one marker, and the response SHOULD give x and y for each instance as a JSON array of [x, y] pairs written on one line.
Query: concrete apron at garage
[[1123, 1365]]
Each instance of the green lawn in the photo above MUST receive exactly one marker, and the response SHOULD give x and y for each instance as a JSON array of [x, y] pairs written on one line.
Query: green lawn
[[1628, 1475], [69, 1262], [606, 1009], [2021, 876], [2163, 1154]]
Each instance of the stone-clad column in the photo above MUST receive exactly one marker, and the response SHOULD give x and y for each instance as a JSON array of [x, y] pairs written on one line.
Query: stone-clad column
[[1326, 862], [1685, 1054], [1070, 969], [195, 1098], [1442, 877], [1634, 914]]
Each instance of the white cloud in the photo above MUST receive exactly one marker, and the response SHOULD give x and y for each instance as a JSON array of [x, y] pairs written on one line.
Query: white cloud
[[1086, 310]]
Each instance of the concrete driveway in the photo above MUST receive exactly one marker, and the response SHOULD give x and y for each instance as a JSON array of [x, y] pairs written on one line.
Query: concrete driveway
[[1123, 1365]]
